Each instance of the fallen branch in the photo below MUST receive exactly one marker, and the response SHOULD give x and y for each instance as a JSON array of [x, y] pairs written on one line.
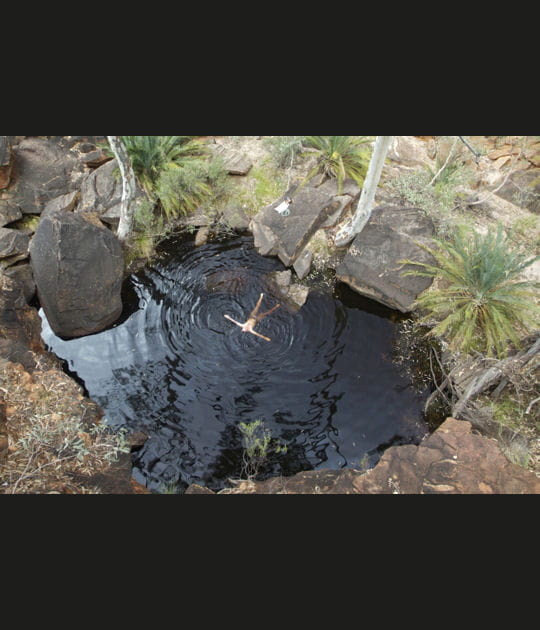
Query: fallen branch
[[493, 374]]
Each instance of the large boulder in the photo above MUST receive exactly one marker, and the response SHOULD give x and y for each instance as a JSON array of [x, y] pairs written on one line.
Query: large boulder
[[101, 192], [372, 264], [42, 171], [78, 267]]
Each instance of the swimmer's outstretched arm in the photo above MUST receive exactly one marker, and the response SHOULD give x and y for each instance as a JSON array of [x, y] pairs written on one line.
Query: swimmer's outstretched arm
[[233, 320]]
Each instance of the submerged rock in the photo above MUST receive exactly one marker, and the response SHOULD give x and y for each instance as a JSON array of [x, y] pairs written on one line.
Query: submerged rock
[[78, 266]]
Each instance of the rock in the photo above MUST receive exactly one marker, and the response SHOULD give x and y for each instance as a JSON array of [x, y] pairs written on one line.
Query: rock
[[63, 203], [78, 269], [298, 294], [22, 274], [9, 212], [101, 192], [202, 236], [409, 151], [523, 190], [6, 162], [20, 324], [195, 488], [302, 264], [287, 236], [371, 266], [235, 217], [42, 171], [452, 460], [281, 287], [13, 242], [234, 162]]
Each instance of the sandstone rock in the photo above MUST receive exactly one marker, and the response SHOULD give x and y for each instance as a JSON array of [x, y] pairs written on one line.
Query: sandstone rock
[[235, 217], [202, 236], [6, 162], [43, 171], [234, 162], [280, 285], [286, 236], [101, 192], [9, 212], [22, 274], [409, 151], [302, 265], [452, 460], [20, 325], [63, 203], [371, 266], [523, 190], [78, 269], [13, 242]]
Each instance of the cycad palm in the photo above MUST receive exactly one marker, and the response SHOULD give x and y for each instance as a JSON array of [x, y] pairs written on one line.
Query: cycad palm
[[340, 157], [151, 155], [481, 304]]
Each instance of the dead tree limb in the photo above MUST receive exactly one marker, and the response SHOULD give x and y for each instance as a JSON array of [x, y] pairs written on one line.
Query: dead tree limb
[[492, 375]]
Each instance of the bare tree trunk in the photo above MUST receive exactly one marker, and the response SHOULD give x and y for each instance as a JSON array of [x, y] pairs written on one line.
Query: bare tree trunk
[[129, 187], [365, 205]]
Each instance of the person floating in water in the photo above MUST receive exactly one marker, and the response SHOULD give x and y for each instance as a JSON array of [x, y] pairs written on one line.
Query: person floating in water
[[254, 318]]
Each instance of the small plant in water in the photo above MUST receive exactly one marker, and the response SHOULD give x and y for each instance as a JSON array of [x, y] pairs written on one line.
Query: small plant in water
[[259, 446]]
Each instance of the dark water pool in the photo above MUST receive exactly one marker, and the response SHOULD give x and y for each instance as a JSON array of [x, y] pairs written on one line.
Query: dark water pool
[[175, 368]]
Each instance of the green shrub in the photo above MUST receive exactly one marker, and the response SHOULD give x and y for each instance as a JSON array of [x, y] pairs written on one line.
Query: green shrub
[[151, 155], [284, 150], [438, 200], [481, 303], [258, 445], [340, 157]]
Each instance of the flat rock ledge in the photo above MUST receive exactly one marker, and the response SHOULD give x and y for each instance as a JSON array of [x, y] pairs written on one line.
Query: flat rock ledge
[[312, 208], [452, 460]]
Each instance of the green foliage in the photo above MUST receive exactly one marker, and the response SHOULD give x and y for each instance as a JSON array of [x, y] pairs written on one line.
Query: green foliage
[[340, 157], [284, 150], [263, 187], [151, 155], [182, 190], [258, 446], [438, 199], [481, 304]]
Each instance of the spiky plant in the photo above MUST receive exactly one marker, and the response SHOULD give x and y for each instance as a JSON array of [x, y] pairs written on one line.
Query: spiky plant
[[183, 190], [339, 157], [481, 303], [151, 155]]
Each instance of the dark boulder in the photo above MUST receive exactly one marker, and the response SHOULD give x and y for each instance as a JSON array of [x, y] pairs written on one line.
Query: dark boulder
[[78, 267], [9, 212], [101, 192], [13, 242], [42, 171], [372, 265], [6, 162], [20, 325]]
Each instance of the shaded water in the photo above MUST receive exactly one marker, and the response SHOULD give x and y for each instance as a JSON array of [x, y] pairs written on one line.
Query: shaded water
[[175, 368]]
